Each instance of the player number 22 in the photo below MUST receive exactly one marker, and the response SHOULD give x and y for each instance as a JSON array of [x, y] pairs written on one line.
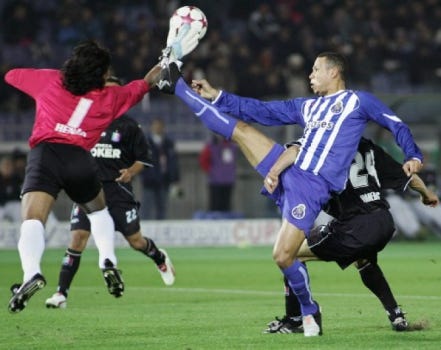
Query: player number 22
[[131, 215]]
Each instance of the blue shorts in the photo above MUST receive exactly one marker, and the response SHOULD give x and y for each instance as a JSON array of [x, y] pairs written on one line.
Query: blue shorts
[[300, 194]]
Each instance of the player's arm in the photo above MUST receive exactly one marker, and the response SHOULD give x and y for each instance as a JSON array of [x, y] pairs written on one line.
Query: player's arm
[[391, 177], [383, 115], [283, 112], [427, 196], [285, 160], [128, 174], [141, 152], [30, 80], [153, 75]]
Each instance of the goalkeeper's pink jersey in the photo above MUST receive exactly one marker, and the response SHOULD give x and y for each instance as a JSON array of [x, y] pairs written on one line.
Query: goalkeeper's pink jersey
[[62, 117]]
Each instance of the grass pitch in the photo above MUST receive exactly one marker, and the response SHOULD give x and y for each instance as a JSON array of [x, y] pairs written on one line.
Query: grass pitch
[[222, 299]]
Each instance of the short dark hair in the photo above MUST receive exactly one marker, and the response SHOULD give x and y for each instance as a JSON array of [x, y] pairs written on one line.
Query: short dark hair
[[337, 60], [84, 70]]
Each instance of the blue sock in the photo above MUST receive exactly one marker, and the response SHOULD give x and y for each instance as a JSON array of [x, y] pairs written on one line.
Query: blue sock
[[214, 120], [298, 280]]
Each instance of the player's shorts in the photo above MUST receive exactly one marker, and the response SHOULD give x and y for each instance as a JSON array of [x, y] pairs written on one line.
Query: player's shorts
[[52, 167], [360, 237], [300, 194], [123, 209]]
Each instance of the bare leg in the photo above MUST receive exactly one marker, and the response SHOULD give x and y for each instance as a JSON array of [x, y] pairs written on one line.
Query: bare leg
[[253, 144]]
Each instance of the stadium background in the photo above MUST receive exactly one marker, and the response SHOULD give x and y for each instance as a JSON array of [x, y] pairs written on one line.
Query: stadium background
[[224, 296], [262, 49]]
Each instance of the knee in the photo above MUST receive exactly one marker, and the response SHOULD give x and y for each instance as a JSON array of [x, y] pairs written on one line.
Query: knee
[[283, 258]]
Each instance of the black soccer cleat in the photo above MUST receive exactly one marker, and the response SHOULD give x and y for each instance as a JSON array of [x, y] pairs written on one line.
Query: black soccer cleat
[[398, 320], [23, 293], [113, 279], [285, 325], [14, 288], [168, 77]]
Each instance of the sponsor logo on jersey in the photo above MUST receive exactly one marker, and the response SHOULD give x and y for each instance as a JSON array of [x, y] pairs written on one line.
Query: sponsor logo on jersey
[[105, 150], [66, 129], [370, 197], [299, 211], [315, 124]]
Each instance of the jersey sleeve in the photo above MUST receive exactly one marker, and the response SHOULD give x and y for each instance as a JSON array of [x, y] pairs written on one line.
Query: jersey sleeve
[[29, 80], [381, 114], [129, 95], [390, 172], [141, 148], [265, 113]]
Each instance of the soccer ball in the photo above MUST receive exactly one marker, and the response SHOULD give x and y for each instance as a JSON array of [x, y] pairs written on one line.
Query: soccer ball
[[189, 15]]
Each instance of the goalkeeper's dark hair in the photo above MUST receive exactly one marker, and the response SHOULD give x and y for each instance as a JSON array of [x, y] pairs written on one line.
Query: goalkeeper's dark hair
[[84, 70], [335, 59]]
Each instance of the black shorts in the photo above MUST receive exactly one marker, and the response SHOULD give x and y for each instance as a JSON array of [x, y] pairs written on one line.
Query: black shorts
[[122, 206], [52, 167], [347, 241]]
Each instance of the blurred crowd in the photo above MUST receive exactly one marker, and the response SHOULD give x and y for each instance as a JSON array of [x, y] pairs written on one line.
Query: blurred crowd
[[254, 48]]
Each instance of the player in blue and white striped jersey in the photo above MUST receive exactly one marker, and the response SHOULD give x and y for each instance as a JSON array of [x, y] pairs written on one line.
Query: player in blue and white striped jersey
[[334, 123]]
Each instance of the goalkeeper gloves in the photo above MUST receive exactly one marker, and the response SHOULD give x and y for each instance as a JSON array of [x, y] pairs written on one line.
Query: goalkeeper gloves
[[180, 42]]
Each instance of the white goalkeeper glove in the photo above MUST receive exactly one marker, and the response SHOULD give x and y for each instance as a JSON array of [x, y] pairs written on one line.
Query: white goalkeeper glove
[[180, 42]]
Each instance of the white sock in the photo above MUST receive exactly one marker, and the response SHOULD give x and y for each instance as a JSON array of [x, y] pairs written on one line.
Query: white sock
[[102, 228], [31, 247]]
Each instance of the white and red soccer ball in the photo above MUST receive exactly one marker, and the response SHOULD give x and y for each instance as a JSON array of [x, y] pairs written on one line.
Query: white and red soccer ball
[[189, 15]]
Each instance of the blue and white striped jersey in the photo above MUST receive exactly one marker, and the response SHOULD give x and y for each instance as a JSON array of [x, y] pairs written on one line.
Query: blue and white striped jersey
[[333, 126]]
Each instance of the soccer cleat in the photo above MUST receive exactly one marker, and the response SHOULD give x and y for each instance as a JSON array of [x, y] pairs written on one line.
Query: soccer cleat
[[56, 301], [285, 325], [167, 270], [114, 281], [168, 77], [14, 288], [312, 324], [21, 295], [398, 320]]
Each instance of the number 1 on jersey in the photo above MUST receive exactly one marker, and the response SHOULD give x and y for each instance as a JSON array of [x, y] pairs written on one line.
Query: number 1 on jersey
[[80, 112]]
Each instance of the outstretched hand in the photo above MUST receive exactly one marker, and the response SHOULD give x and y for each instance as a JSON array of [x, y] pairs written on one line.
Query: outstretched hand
[[430, 199], [412, 166], [125, 177], [204, 89]]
